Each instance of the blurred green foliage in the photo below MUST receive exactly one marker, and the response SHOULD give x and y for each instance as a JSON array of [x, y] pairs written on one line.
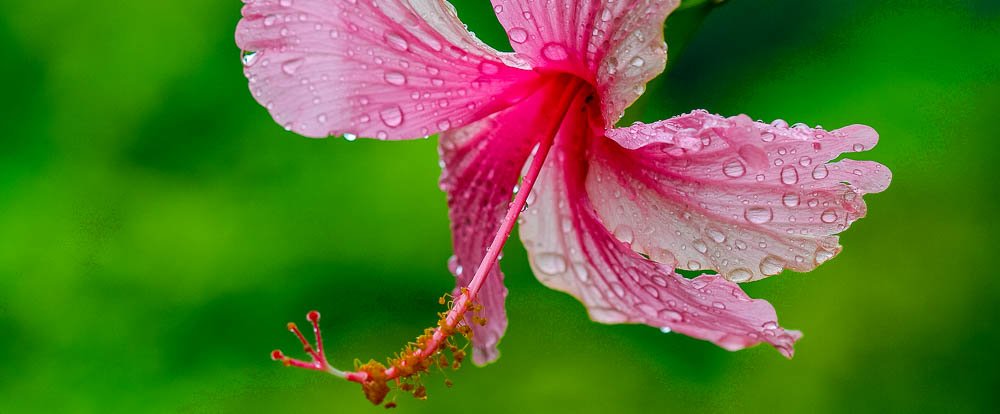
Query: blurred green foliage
[[157, 229]]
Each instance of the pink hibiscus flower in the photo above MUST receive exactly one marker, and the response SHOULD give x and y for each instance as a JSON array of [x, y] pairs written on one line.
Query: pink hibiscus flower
[[607, 214]]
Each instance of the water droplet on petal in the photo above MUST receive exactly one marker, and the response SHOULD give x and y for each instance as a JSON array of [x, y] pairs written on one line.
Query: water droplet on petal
[[664, 256], [444, 124], [489, 68], [822, 255], [789, 175], [734, 169], [291, 66], [669, 315], [790, 199], [555, 52], [624, 233], [820, 172], [716, 235], [550, 263], [248, 58], [829, 216], [395, 78], [581, 272], [758, 215], [518, 35], [700, 246], [771, 265], [739, 275], [392, 116], [666, 329], [637, 62]]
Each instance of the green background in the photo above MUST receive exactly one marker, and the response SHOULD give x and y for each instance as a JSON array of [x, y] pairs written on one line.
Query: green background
[[157, 229]]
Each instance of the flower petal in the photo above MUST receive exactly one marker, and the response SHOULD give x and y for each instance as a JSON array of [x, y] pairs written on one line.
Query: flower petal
[[571, 250], [744, 198], [390, 69], [617, 45], [482, 163]]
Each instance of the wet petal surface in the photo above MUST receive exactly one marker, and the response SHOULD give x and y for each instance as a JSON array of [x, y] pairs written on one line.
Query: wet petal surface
[[390, 69], [617, 45], [744, 198], [572, 250]]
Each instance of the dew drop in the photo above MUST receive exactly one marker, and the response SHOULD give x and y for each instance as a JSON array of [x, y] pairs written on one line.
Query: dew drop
[[555, 52], [666, 329], [758, 215], [550, 263], [489, 68], [291, 66], [716, 235], [392, 116], [581, 272], [664, 256], [444, 124], [789, 175], [395, 78], [700, 246], [790, 199], [624, 233], [822, 255], [670, 316], [828, 216], [740, 275], [820, 172], [248, 58], [637, 62], [518, 35], [734, 169], [694, 265], [771, 265]]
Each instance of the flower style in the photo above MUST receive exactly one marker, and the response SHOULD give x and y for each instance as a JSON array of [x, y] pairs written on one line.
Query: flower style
[[608, 213]]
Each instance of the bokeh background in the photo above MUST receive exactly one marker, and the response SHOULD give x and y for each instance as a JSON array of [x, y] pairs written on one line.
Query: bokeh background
[[157, 229]]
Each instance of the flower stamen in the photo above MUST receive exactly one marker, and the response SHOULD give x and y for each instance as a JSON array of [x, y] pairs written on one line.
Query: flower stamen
[[319, 361]]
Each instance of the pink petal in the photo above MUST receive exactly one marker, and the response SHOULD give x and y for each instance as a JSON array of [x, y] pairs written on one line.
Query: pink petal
[[571, 250], [482, 164], [390, 69], [617, 45], [744, 198]]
